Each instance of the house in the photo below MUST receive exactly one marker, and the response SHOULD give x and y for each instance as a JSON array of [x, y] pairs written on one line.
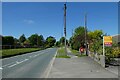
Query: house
[[116, 38]]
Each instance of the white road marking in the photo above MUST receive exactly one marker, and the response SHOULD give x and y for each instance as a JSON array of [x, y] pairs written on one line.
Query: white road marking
[[47, 72], [1, 68], [17, 62], [7, 64], [21, 55], [37, 55], [12, 65]]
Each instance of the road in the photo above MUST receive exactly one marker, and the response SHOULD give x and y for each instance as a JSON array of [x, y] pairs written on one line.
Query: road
[[31, 65]]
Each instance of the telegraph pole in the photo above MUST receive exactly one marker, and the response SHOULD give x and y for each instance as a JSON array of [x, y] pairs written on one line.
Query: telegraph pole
[[86, 45], [65, 26], [72, 32]]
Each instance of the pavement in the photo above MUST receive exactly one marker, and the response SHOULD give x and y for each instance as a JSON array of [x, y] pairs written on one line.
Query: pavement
[[113, 69], [30, 65], [78, 67], [114, 66]]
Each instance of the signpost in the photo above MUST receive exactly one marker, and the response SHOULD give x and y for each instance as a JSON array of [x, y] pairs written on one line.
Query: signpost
[[107, 41]]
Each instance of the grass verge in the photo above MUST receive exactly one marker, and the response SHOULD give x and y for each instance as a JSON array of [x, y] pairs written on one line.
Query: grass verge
[[13, 52], [61, 53], [76, 53]]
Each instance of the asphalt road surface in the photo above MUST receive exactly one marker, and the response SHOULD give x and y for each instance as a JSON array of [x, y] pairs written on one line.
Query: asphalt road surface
[[31, 65]]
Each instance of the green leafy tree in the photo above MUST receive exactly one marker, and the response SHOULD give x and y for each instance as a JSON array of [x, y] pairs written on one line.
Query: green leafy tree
[[8, 40], [41, 40], [27, 43], [33, 39], [78, 39], [62, 41], [57, 44], [16, 43], [50, 41], [95, 40], [22, 38]]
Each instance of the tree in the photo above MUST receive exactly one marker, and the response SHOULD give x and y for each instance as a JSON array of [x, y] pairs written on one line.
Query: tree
[[33, 39], [41, 41], [16, 43], [95, 40], [57, 44], [7, 40], [22, 38], [36, 40], [62, 40], [95, 35], [50, 41], [27, 43], [78, 39], [79, 31]]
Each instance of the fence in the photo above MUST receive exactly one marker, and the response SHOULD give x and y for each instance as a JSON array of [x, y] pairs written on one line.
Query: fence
[[10, 46], [98, 58], [18, 46]]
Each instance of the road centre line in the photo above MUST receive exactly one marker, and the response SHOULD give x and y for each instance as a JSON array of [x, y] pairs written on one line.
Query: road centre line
[[1, 68], [36, 55], [7, 64], [25, 54], [20, 55], [17, 63]]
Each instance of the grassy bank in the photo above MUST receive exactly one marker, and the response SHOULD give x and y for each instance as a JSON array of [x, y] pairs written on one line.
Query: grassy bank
[[12, 52], [61, 53]]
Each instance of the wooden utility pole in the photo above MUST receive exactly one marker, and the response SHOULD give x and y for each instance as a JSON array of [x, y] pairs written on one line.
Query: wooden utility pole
[[72, 32], [65, 27], [86, 45]]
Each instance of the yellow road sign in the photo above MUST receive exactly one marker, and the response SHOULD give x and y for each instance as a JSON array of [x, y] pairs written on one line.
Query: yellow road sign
[[108, 39]]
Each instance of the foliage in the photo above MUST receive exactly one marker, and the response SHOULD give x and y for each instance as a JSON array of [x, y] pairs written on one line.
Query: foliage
[[95, 40], [41, 40], [50, 41], [62, 40], [7, 40], [57, 44], [116, 52], [16, 41], [36, 40], [22, 38], [33, 39], [79, 31], [78, 39]]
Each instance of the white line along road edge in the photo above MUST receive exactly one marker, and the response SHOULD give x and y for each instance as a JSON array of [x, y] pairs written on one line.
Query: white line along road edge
[[47, 72]]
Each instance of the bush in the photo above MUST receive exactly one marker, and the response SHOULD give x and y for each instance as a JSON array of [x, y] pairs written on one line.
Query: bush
[[116, 52]]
